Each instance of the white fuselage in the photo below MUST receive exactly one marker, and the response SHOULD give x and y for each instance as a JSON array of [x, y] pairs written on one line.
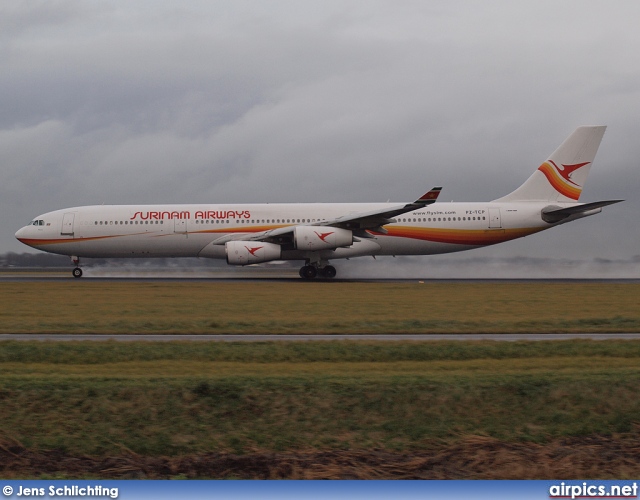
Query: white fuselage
[[191, 230], [315, 232]]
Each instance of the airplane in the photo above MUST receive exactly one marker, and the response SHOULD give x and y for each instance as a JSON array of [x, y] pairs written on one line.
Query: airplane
[[318, 233]]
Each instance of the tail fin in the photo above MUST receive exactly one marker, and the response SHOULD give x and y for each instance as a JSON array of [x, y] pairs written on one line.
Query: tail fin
[[562, 177]]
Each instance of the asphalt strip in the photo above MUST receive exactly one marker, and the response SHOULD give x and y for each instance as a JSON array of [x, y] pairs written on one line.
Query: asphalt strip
[[301, 338]]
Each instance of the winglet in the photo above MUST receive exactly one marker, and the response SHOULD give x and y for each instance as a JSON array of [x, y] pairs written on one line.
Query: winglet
[[428, 198]]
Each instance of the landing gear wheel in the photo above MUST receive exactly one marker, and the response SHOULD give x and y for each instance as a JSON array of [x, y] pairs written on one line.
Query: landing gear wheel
[[308, 272], [77, 272], [328, 272]]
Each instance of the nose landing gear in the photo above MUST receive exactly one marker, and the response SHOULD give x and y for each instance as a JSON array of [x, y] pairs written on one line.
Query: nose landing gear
[[77, 272]]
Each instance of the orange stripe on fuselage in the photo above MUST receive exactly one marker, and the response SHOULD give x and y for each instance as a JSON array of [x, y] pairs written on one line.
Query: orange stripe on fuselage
[[460, 236], [239, 229], [57, 241], [475, 237]]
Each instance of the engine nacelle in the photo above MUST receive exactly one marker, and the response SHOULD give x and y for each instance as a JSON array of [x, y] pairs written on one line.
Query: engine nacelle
[[321, 237], [241, 253]]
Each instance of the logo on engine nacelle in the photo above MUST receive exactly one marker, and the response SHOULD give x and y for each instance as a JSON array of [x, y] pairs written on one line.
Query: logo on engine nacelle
[[323, 236], [253, 251]]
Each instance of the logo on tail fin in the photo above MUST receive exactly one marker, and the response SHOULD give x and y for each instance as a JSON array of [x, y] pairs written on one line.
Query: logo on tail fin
[[560, 178]]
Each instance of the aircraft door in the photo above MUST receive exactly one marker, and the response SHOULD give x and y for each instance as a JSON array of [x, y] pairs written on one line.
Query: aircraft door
[[180, 226], [494, 218], [67, 224]]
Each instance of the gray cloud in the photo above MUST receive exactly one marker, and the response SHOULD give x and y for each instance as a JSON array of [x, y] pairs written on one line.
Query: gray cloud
[[143, 102]]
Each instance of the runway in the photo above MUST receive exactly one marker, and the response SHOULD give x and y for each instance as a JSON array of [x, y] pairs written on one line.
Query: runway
[[309, 338], [257, 276]]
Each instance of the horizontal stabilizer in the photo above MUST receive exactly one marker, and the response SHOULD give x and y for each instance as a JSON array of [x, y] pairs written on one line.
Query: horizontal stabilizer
[[555, 214]]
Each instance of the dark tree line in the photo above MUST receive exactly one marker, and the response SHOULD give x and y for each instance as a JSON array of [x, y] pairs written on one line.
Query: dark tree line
[[13, 259], [43, 260]]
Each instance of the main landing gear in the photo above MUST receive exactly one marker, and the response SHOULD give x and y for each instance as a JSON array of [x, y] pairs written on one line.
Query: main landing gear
[[310, 272], [77, 272]]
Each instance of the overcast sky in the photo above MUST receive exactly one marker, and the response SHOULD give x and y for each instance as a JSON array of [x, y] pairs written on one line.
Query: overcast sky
[[292, 101]]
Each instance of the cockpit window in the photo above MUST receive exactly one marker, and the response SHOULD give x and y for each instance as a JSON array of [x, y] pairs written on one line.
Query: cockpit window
[[36, 223]]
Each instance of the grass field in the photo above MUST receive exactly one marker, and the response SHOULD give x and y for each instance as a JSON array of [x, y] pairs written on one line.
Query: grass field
[[307, 308], [177, 400], [319, 409]]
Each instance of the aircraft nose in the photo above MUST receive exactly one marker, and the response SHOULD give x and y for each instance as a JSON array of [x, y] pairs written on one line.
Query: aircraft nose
[[21, 233]]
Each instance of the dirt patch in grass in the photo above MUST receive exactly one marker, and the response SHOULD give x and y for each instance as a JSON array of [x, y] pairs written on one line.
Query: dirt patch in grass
[[473, 457]]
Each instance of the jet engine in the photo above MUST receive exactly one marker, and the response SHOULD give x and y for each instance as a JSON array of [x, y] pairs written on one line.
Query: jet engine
[[241, 253], [321, 237]]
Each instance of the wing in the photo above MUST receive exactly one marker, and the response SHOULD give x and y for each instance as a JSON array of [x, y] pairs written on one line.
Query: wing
[[374, 220], [359, 223]]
